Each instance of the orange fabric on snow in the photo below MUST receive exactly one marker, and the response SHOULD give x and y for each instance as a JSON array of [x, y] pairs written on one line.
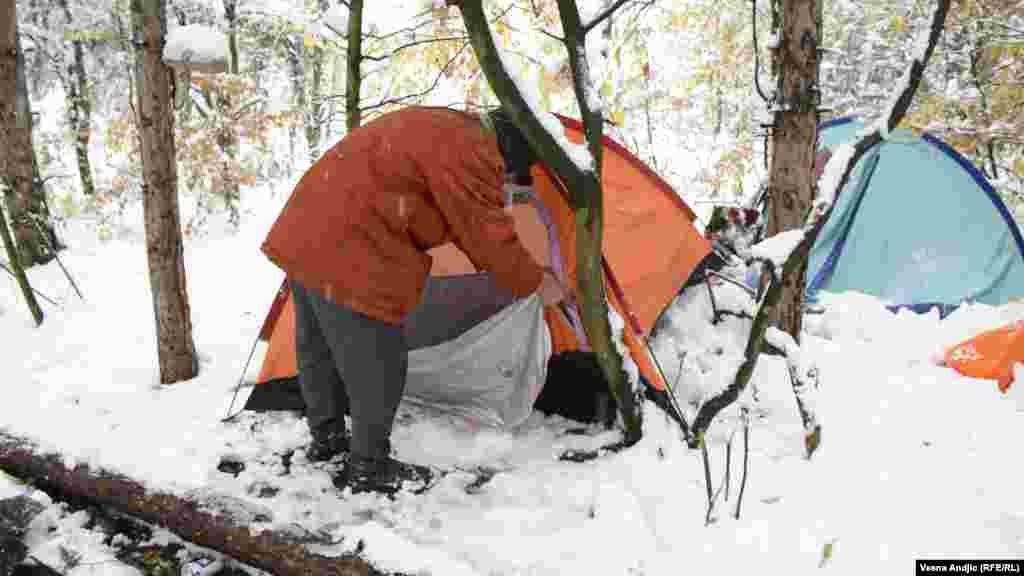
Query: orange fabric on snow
[[990, 355]]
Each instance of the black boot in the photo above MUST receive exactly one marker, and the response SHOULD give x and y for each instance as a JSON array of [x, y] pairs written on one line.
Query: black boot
[[330, 439], [383, 476]]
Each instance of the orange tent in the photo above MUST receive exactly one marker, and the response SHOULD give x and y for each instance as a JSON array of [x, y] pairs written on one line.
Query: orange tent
[[990, 355], [650, 248]]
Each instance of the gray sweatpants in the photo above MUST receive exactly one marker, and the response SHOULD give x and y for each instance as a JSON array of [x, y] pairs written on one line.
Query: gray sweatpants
[[347, 360]]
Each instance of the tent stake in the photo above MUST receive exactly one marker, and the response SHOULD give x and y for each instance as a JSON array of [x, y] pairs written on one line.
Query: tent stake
[[229, 417]]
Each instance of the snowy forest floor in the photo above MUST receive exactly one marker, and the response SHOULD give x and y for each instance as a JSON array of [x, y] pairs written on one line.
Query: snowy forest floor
[[915, 462]]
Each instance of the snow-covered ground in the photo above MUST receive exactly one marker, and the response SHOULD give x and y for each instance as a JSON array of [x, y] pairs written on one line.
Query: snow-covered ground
[[915, 460], [59, 539], [76, 541]]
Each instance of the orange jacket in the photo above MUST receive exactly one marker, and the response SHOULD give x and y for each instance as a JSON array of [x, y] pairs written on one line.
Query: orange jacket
[[358, 225]]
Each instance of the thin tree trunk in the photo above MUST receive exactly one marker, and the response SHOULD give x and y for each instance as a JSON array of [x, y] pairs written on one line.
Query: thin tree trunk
[[314, 115], [155, 109], [588, 203], [228, 139], [79, 107], [34, 235], [791, 182], [231, 15], [981, 77], [18, 270], [991, 146], [354, 77], [584, 187], [797, 259], [297, 69]]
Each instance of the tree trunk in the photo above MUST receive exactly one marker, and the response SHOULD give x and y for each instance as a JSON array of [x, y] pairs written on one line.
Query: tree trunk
[[155, 109], [17, 269], [584, 187], [201, 521], [353, 76], [314, 115], [797, 259], [228, 138], [79, 107], [588, 202], [791, 183], [9, 132], [297, 70], [231, 16], [34, 235]]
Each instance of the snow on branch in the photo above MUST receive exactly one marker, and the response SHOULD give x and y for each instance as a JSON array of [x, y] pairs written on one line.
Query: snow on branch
[[835, 176], [604, 15], [785, 343], [520, 98], [777, 249], [578, 153], [803, 375], [840, 165]]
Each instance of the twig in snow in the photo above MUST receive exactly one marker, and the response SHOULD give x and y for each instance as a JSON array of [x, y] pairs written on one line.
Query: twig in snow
[[711, 297], [707, 480], [728, 463], [712, 498], [46, 567], [734, 282], [746, 459]]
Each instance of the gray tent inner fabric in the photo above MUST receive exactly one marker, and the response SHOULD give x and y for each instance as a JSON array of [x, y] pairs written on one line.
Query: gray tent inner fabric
[[474, 351], [490, 374], [453, 305]]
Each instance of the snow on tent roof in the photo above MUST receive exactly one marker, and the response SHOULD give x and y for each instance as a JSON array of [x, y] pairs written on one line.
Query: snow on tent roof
[[917, 226]]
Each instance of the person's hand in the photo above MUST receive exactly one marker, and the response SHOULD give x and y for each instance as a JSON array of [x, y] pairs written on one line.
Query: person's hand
[[552, 291]]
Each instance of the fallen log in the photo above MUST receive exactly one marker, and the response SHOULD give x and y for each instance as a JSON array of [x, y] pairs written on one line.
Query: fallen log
[[274, 552]]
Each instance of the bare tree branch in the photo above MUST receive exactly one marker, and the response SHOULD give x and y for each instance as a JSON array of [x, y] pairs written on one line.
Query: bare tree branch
[[417, 95], [580, 185], [816, 220], [413, 44], [604, 15], [552, 36]]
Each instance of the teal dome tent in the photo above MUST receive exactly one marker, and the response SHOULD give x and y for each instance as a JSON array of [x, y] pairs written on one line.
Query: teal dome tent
[[918, 226]]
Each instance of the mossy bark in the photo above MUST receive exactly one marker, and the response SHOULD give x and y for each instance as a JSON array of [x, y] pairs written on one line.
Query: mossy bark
[[583, 185]]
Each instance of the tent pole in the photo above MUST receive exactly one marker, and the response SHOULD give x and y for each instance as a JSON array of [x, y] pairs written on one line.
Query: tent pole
[[229, 416], [668, 388]]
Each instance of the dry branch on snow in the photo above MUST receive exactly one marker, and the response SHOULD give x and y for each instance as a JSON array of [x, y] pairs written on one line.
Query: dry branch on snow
[[196, 522]]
